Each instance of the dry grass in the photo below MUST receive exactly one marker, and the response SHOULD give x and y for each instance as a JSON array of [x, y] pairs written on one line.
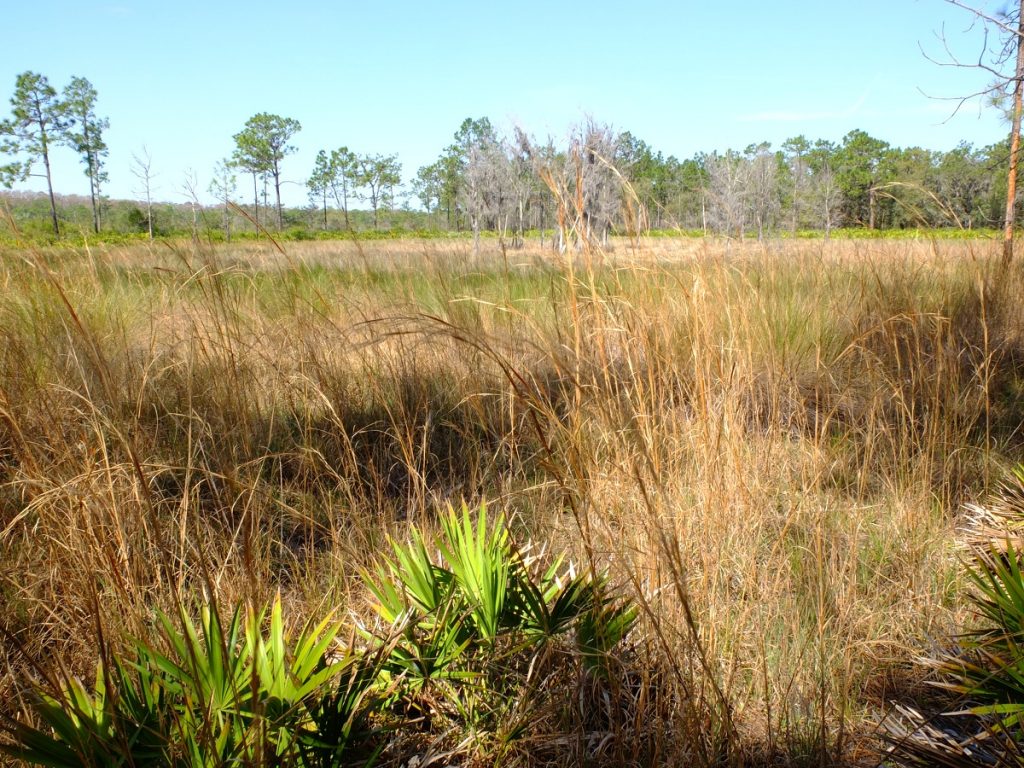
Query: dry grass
[[766, 445]]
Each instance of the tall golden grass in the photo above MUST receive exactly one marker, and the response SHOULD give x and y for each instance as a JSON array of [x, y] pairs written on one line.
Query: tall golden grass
[[766, 445]]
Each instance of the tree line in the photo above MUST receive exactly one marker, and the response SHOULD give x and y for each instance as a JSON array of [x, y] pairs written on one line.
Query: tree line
[[485, 181], [804, 184]]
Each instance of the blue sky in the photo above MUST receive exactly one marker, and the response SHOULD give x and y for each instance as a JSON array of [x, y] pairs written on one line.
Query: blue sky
[[181, 78]]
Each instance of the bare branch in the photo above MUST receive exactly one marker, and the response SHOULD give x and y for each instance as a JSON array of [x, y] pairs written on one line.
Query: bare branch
[[986, 17]]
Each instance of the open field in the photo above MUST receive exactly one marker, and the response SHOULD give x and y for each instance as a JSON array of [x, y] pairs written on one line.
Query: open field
[[768, 447]]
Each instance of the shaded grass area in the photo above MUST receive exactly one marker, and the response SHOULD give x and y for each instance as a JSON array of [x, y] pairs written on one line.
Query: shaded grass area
[[766, 446]]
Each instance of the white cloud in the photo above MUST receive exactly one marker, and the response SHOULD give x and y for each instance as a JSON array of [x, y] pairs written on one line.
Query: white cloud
[[798, 116]]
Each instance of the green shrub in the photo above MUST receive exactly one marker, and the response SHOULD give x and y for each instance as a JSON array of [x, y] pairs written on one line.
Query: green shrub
[[244, 691], [468, 615], [211, 694], [986, 671], [989, 672]]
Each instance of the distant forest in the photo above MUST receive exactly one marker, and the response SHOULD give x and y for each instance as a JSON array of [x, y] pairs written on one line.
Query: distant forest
[[486, 182]]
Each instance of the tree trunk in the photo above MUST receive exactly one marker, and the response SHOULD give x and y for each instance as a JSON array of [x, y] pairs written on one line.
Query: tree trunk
[[344, 204], [99, 198], [92, 200], [277, 193], [49, 184], [92, 177], [255, 203], [521, 232], [871, 204], [541, 222], [1011, 187]]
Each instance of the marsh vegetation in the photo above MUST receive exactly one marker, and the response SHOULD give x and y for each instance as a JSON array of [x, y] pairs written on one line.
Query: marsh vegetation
[[766, 448]]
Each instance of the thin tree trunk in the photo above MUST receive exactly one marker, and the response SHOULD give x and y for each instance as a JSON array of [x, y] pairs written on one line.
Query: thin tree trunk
[[99, 201], [92, 199], [521, 235], [255, 203], [49, 184], [99, 204], [1011, 187], [92, 177], [344, 205], [277, 193]]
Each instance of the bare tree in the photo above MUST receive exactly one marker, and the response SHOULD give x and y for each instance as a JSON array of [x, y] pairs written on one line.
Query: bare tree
[[824, 194], [601, 183], [547, 166], [763, 188], [584, 183], [1003, 61], [827, 197], [728, 177], [142, 169], [523, 182], [487, 189]]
